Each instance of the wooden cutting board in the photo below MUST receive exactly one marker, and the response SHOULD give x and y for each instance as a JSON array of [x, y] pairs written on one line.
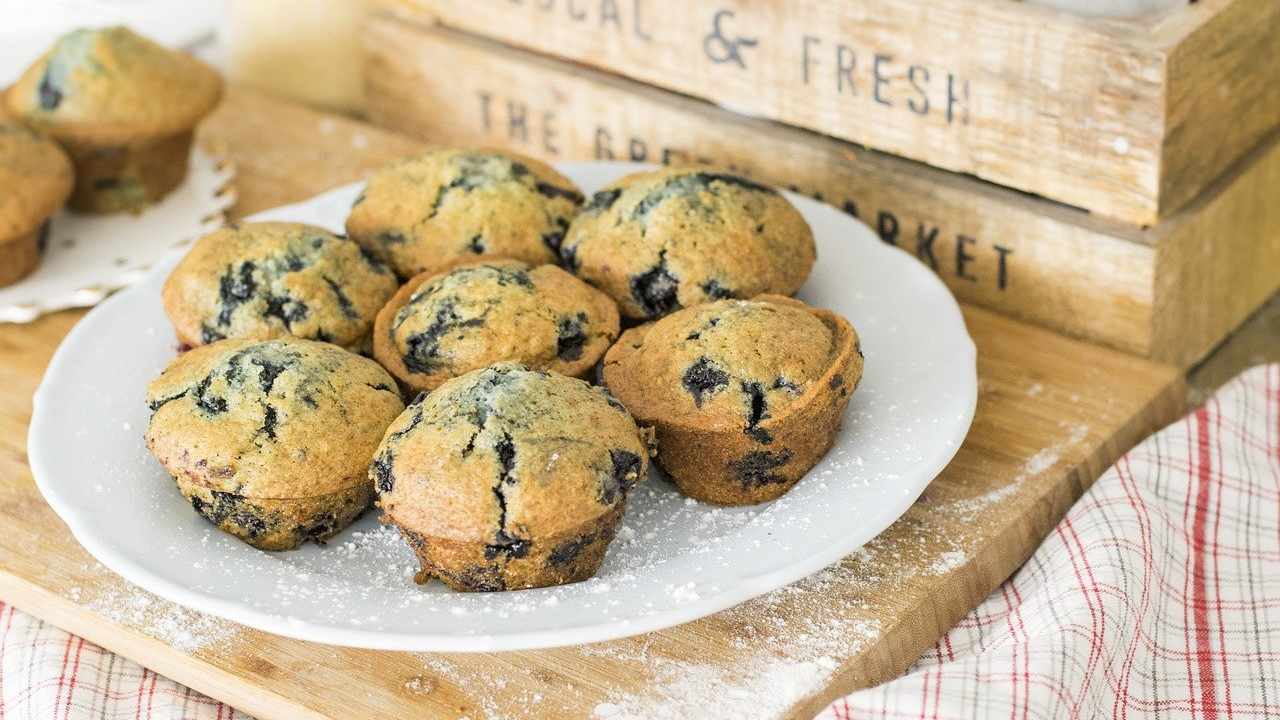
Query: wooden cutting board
[[1052, 414]]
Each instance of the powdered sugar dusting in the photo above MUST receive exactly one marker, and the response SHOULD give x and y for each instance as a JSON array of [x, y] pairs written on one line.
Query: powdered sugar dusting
[[946, 562], [126, 604], [1038, 464], [781, 648]]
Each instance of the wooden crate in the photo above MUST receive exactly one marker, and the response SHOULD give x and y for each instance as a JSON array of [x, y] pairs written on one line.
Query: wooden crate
[[1127, 118], [1169, 292]]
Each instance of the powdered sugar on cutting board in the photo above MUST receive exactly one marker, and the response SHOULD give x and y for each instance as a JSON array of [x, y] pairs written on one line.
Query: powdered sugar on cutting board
[[126, 604], [784, 646]]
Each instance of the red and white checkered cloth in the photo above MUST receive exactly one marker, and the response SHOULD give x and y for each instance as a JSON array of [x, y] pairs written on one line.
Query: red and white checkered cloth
[[48, 674], [1157, 597]]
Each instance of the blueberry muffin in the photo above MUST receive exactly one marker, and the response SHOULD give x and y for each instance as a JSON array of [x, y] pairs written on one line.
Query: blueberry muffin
[[271, 440], [272, 279], [745, 395], [425, 211], [35, 179], [508, 478], [672, 238], [123, 107], [480, 312]]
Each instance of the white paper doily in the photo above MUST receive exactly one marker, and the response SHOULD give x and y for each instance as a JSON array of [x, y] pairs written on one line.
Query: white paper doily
[[89, 256]]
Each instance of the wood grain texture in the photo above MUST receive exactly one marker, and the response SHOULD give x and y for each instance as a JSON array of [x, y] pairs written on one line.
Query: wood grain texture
[[1170, 292], [1052, 413], [1097, 113], [1218, 259], [1222, 92]]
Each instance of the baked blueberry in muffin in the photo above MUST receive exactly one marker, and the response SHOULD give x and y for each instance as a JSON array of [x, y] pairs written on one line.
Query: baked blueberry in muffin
[[123, 107], [508, 478], [479, 312], [272, 279], [423, 212], [271, 440], [35, 179], [666, 239], [745, 395]]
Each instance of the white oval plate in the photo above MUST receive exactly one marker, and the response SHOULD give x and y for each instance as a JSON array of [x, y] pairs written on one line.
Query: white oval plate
[[674, 560]]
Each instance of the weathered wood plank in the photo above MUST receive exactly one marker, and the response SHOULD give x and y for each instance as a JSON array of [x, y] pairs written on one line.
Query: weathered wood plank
[[1097, 113], [1169, 292]]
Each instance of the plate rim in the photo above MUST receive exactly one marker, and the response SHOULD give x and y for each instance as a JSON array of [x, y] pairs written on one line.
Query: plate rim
[[745, 588]]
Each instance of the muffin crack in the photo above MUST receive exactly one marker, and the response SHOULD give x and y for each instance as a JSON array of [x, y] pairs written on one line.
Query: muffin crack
[[270, 419], [758, 410], [371, 259], [211, 404], [381, 466], [422, 350], [155, 405], [465, 182], [553, 192], [347, 307], [697, 334], [602, 201], [505, 544], [689, 187]]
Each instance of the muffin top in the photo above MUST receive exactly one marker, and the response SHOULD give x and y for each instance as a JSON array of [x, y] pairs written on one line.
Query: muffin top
[[675, 237], [507, 456], [272, 279], [113, 85], [725, 365], [284, 418], [35, 176], [425, 211], [480, 312]]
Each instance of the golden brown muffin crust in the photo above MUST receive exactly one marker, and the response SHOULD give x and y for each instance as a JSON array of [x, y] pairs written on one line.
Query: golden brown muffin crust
[[479, 312], [424, 211], [36, 178], [278, 524], [113, 86], [272, 279], [283, 418], [745, 396], [496, 470], [665, 239]]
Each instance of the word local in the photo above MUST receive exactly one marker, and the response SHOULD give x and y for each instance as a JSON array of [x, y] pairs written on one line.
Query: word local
[[623, 16]]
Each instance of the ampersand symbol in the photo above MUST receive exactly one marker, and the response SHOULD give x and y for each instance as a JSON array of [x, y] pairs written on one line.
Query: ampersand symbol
[[722, 49]]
